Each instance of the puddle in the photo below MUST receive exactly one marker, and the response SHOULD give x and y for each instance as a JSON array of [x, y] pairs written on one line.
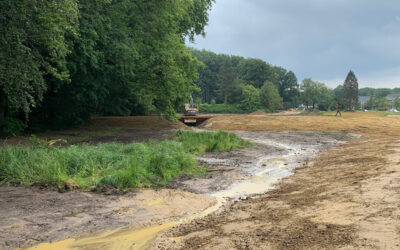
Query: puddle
[[119, 239], [155, 203], [263, 175]]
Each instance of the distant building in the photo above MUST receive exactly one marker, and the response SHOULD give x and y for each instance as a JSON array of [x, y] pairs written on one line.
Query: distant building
[[391, 97]]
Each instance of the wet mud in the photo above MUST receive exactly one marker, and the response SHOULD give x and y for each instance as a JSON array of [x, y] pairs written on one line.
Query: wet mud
[[32, 215]]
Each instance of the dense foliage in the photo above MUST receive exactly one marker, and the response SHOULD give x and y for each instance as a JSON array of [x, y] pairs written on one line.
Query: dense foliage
[[317, 94], [62, 61], [225, 79], [270, 98], [117, 165]]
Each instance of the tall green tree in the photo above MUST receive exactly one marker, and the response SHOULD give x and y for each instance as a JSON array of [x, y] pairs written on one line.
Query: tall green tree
[[226, 80], [270, 98], [288, 88], [34, 43], [383, 103], [255, 72], [350, 90], [316, 94], [371, 103], [396, 103], [250, 98], [130, 58]]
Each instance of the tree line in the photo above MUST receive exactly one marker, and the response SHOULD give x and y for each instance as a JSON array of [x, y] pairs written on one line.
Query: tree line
[[249, 82], [253, 84], [63, 61]]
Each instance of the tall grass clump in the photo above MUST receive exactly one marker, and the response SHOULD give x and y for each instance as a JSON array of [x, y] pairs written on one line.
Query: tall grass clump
[[117, 165], [201, 142]]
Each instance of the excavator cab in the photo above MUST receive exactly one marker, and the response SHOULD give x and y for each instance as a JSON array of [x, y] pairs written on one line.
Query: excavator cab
[[190, 110]]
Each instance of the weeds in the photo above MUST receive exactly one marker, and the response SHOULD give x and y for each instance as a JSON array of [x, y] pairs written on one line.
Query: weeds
[[121, 166], [201, 142]]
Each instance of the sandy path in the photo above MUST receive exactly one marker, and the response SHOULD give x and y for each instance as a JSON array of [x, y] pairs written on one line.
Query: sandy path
[[347, 198]]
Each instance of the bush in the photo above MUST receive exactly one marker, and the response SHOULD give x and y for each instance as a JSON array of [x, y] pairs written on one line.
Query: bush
[[11, 126]]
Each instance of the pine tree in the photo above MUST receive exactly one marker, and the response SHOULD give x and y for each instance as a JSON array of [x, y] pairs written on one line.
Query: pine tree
[[350, 90], [226, 78]]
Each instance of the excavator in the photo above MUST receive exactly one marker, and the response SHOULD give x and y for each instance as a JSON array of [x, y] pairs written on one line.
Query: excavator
[[191, 115]]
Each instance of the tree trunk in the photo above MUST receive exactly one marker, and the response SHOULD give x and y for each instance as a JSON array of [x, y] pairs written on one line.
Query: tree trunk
[[2, 106]]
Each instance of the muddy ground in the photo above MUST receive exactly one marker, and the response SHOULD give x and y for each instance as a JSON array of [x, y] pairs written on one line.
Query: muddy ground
[[346, 197], [31, 215]]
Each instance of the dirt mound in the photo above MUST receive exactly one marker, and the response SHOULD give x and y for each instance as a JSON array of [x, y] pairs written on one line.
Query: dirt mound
[[258, 112]]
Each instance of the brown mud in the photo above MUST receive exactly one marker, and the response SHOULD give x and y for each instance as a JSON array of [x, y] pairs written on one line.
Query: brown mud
[[31, 216]]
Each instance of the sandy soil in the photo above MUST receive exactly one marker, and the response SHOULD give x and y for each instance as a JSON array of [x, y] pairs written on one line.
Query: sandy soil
[[347, 198], [30, 216], [365, 124]]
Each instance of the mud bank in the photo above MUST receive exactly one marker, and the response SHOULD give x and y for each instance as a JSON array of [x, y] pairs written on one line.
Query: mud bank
[[31, 216]]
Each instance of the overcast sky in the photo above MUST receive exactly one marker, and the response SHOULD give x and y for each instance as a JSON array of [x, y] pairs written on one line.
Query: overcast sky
[[321, 39]]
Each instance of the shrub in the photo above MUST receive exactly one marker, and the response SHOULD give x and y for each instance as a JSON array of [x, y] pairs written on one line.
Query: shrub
[[11, 126]]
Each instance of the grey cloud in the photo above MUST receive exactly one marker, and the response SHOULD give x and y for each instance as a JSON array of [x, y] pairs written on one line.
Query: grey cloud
[[322, 39]]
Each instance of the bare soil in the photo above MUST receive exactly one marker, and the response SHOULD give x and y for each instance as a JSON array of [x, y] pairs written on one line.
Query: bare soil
[[30, 216], [347, 198], [367, 124], [108, 129]]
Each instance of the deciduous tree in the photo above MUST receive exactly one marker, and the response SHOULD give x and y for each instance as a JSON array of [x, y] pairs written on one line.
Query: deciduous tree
[[270, 98]]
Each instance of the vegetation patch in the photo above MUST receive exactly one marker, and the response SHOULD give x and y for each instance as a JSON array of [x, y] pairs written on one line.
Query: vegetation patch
[[112, 164], [221, 108], [201, 142]]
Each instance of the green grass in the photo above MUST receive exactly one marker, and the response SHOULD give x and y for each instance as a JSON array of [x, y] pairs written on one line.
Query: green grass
[[117, 165], [221, 109], [201, 142]]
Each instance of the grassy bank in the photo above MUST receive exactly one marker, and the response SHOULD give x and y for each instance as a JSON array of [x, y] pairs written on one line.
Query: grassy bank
[[118, 165]]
